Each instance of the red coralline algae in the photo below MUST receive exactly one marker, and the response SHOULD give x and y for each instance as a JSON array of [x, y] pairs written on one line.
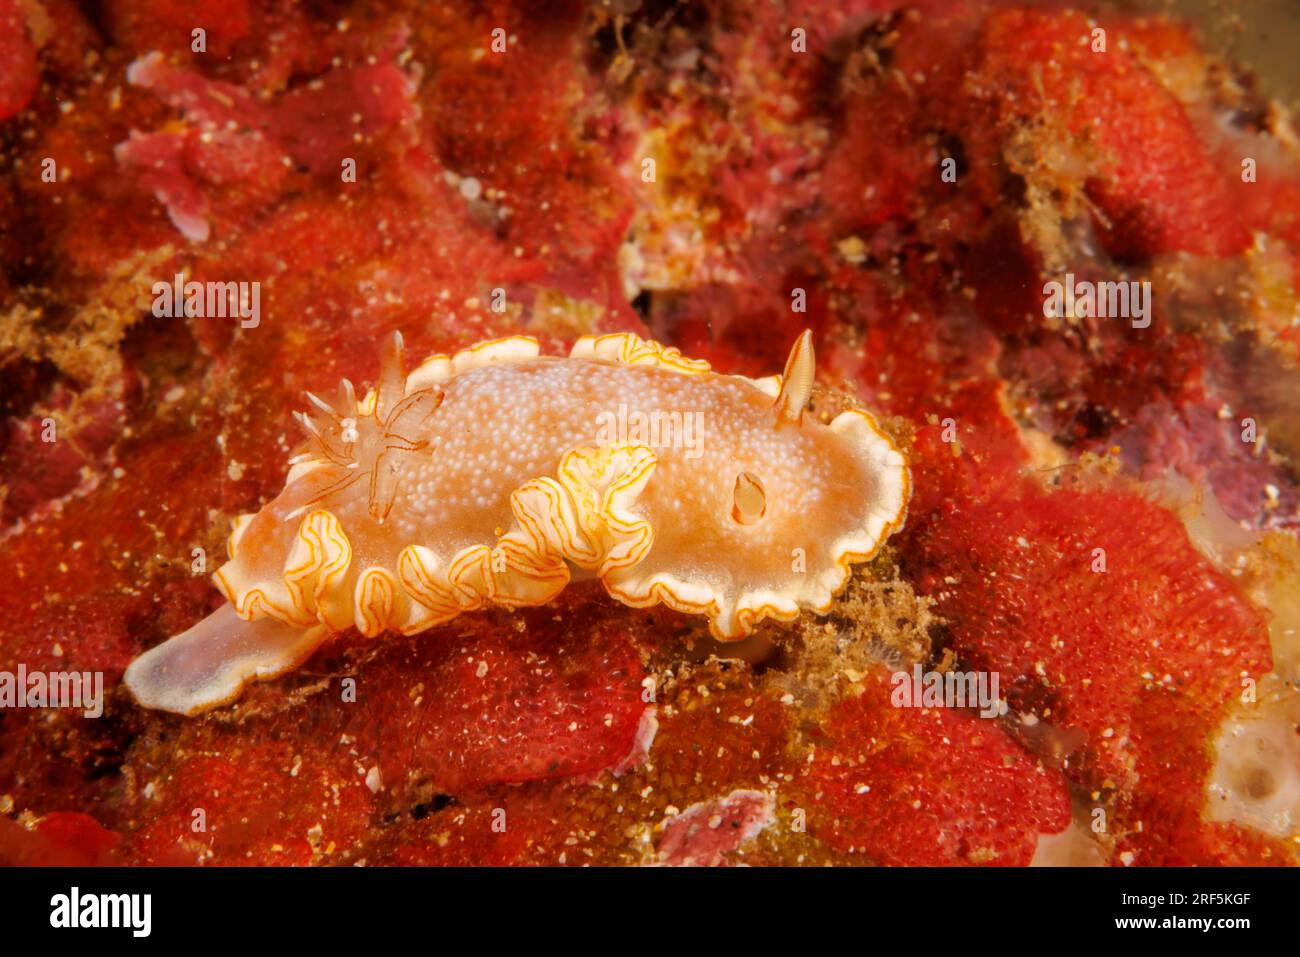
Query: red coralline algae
[[233, 145], [1101, 618], [927, 787], [528, 707], [1155, 182]]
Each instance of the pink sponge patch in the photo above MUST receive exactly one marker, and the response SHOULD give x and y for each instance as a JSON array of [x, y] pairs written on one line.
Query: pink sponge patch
[[705, 832]]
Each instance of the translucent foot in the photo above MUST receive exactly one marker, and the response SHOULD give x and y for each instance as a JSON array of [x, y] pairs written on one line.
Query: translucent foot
[[208, 665]]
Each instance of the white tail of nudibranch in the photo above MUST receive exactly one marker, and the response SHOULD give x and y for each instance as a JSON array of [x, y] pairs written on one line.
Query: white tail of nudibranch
[[210, 663]]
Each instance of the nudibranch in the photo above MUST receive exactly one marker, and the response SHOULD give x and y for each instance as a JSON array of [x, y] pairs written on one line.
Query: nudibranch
[[497, 475]]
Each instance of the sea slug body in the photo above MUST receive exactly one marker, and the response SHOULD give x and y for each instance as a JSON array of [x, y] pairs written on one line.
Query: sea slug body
[[498, 475]]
